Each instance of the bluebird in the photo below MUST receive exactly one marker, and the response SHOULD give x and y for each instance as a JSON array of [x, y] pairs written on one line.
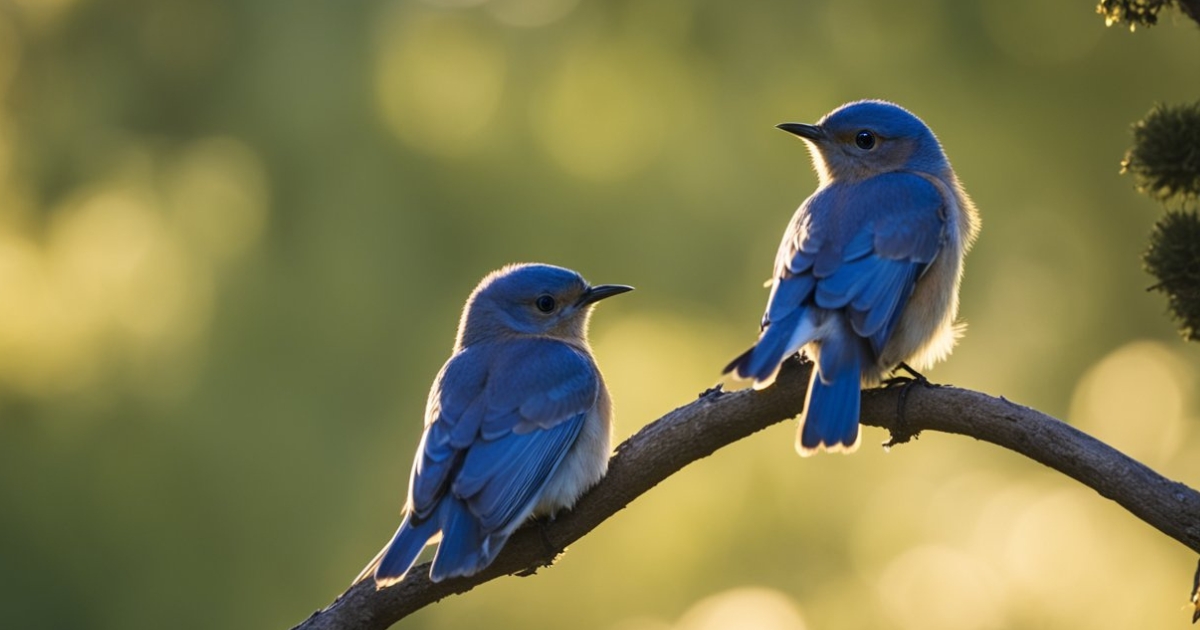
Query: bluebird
[[866, 278], [517, 424]]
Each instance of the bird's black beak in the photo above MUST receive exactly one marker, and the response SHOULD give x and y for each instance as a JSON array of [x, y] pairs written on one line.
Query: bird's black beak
[[808, 132], [601, 291]]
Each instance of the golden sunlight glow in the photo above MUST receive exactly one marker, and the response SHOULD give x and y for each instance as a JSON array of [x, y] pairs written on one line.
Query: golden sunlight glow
[[115, 262], [234, 242], [755, 607], [1027, 297], [746, 607], [116, 281], [641, 623], [1135, 399], [438, 79], [1052, 545], [1057, 556], [937, 587], [39, 340], [928, 506], [660, 347], [1055, 524]]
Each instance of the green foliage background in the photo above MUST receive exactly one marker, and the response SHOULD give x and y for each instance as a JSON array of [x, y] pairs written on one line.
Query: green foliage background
[[235, 237]]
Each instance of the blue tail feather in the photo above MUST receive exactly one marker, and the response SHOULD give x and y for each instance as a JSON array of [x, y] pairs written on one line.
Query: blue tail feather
[[460, 552], [780, 340], [400, 554], [834, 398], [767, 354]]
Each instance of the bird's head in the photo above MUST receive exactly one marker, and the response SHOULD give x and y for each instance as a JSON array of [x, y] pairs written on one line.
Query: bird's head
[[531, 299], [865, 138]]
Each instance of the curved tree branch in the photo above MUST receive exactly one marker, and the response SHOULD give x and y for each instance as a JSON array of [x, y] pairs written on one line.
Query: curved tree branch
[[716, 419]]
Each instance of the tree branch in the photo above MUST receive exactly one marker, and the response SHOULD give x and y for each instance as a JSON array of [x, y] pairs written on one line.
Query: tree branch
[[716, 419]]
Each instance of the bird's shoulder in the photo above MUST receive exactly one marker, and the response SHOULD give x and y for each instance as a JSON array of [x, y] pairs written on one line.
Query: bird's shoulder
[[877, 198], [519, 355], [897, 214], [525, 379]]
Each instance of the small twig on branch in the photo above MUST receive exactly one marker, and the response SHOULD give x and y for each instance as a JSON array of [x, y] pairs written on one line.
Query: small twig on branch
[[1196, 594], [717, 419]]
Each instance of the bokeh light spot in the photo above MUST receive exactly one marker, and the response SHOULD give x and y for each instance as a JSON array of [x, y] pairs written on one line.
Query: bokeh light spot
[[654, 347], [116, 292], [745, 607], [1135, 399], [936, 587], [218, 194], [601, 116], [439, 77]]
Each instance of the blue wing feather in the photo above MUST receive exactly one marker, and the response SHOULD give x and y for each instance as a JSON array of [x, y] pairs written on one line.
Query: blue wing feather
[[453, 414], [547, 407], [789, 294], [854, 248], [502, 479], [502, 418], [799, 262], [429, 480], [891, 233], [558, 384], [860, 245], [848, 283], [463, 431]]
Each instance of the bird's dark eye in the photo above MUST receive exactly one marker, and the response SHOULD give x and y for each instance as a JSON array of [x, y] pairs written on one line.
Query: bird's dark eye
[[545, 303], [865, 140]]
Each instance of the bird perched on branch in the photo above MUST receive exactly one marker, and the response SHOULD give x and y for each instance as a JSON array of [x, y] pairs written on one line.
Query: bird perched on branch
[[517, 423], [866, 278]]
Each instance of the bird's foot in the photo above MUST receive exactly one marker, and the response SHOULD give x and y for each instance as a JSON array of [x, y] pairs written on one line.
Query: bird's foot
[[912, 376], [549, 548], [713, 393], [902, 432]]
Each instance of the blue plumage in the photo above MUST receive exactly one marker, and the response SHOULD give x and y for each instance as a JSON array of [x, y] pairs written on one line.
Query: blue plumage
[[867, 273], [407, 544], [833, 400], [517, 423]]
